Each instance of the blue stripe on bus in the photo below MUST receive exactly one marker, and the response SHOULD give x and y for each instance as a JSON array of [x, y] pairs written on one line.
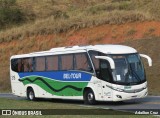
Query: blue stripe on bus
[[60, 75]]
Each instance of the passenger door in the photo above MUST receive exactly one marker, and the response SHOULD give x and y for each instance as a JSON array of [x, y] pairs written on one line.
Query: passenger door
[[105, 76]]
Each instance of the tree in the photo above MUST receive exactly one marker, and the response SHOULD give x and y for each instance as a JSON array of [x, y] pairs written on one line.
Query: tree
[[10, 14]]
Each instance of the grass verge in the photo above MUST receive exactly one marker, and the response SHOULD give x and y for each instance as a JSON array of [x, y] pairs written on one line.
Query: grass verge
[[24, 104]]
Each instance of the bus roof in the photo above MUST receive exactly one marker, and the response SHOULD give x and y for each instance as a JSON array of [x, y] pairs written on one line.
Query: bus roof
[[115, 49], [107, 49]]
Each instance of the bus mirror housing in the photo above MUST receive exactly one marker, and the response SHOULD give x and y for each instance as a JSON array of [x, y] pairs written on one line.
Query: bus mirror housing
[[109, 59], [148, 58]]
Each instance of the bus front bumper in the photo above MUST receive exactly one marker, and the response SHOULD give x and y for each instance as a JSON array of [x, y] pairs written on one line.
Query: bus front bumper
[[121, 96]]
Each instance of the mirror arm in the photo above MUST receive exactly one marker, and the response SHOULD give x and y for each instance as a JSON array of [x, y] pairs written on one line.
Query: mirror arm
[[109, 59], [148, 58]]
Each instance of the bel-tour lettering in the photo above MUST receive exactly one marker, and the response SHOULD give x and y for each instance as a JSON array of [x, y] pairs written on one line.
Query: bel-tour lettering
[[72, 76]]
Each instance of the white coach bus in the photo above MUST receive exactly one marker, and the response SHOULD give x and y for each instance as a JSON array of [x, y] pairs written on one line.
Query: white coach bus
[[89, 73]]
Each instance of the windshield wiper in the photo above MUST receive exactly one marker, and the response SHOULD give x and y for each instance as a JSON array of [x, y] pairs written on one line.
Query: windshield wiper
[[132, 83], [134, 73]]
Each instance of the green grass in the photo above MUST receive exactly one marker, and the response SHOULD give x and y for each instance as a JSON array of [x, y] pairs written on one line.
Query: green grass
[[24, 104], [41, 104]]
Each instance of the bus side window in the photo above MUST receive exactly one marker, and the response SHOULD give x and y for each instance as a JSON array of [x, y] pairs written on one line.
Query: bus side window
[[104, 70], [101, 66], [82, 62], [14, 65], [52, 63], [20, 66], [96, 62], [67, 62], [27, 65], [30, 62], [40, 64]]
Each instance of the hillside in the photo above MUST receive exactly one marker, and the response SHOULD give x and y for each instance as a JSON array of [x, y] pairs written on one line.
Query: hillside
[[51, 16], [51, 23]]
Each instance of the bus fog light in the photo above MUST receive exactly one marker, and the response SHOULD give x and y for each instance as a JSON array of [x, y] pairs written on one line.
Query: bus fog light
[[119, 96]]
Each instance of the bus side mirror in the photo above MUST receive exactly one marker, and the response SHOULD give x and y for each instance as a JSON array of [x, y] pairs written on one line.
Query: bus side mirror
[[148, 58], [109, 59]]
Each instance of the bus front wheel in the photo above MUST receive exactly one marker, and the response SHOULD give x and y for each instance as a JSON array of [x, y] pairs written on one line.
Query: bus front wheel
[[30, 95], [89, 97]]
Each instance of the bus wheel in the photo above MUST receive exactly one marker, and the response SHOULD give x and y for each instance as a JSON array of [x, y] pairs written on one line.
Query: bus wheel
[[30, 95], [89, 97]]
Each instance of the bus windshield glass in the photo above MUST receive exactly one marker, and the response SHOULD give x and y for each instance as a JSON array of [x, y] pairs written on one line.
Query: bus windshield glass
[[128, 69]]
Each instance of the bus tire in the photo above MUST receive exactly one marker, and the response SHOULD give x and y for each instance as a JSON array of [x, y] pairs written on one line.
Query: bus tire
[[30, 94], [89, 97]]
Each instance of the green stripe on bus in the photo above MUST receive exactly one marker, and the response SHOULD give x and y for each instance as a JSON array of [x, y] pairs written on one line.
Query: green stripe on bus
[[55, 87]]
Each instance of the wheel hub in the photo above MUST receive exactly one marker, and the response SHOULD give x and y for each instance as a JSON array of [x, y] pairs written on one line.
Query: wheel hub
[[31, 95], [90, 96]]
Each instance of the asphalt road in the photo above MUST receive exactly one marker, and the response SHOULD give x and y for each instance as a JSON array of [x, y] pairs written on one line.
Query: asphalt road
[[150, 102]]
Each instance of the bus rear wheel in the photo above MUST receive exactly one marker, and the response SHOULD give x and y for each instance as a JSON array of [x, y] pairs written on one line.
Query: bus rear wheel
[[31, 95], [89, 97]]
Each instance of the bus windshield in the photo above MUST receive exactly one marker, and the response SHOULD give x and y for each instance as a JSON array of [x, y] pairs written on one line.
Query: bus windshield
[[128, 69]]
